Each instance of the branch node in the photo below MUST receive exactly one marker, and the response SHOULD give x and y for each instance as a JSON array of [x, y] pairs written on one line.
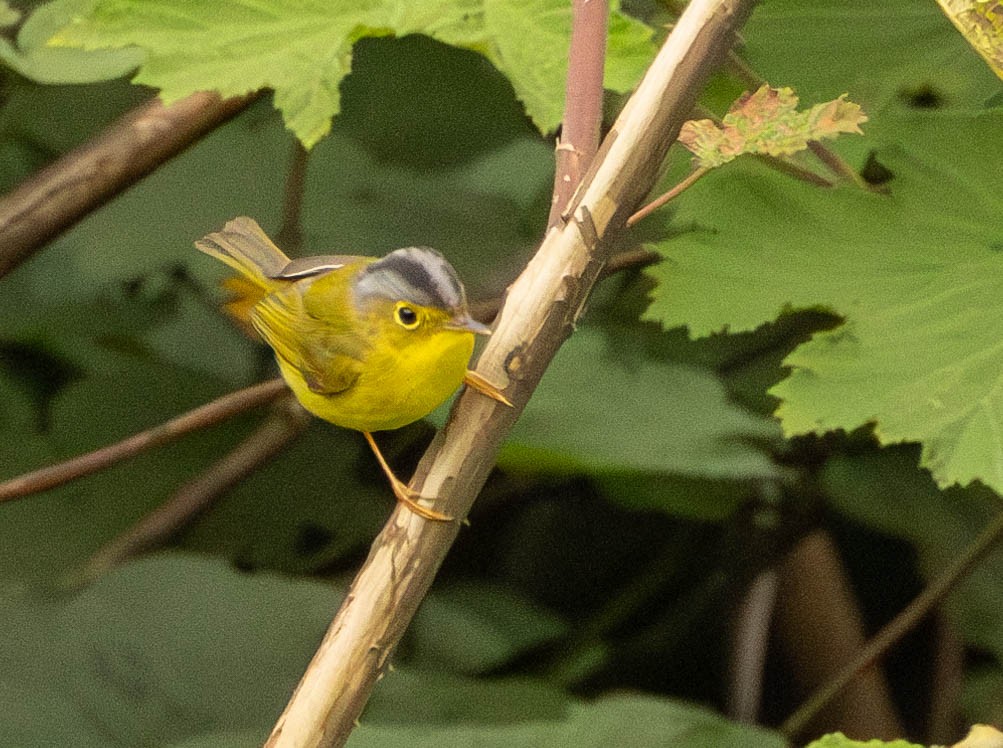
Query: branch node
[[587, 228]]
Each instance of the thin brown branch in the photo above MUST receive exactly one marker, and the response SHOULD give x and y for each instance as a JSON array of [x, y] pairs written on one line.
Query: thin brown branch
[[579, 139], [290, 235], [68, 189], [836, 164], [541, 309], [286, 423], [86, 464], [658, 202], [629, 259], [920, 607]]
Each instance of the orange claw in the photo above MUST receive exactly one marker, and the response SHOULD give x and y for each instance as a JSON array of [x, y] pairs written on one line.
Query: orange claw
[[475, 381], [404, 494]]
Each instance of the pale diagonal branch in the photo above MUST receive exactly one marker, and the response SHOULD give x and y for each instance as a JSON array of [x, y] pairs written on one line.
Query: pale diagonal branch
[[539, 314]]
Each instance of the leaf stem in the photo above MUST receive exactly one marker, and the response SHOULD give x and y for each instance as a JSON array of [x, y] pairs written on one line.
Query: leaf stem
[[835, 163], [290, 235], [658, 202]]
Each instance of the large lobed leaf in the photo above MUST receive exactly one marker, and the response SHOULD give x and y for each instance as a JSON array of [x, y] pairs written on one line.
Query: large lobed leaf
[[303, 48], [917, 275], [616, 412], [35, 60], [183, 650]]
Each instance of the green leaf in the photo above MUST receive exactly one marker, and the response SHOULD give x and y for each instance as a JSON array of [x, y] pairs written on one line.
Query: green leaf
[[303, 49], [679, 495], [43, 537], [519, 31], [629, 51], [179, 646], [839, 740], [593, 404], [767, 122], [413, 700], [983, 693], [885, 491], [897, 55], [8, 15], [168, 646], [320, 500], [33, 59], [473, 628], [621, 720], [222, 739], [916, 274]]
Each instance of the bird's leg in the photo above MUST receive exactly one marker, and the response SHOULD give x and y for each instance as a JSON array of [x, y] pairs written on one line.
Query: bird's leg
[[475, 381], [404, 494]]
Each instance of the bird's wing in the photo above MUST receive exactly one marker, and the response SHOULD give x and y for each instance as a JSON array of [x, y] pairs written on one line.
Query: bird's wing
[[327, 351]]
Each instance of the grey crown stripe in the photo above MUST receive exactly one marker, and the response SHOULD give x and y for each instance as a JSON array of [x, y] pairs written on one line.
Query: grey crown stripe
[[419, 275]]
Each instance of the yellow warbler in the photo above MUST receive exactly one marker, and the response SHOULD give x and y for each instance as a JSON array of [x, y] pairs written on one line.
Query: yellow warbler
[[365, 343]]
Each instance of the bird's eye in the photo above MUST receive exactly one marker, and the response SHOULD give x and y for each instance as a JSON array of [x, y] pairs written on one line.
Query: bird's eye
[[406, 316]]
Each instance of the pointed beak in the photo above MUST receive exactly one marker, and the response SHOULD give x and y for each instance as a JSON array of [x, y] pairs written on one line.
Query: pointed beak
[[469, 324]]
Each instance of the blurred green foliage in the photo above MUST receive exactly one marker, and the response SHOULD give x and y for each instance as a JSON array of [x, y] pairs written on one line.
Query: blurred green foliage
[[645, 484]]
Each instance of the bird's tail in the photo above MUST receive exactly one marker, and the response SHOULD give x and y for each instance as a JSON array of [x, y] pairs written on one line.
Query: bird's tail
[[245, 247]]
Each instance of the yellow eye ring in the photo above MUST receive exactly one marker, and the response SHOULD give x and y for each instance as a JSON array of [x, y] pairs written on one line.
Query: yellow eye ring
[[406, 316]]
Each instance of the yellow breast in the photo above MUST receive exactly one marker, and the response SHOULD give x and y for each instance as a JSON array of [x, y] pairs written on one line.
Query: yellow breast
[[397, 386]]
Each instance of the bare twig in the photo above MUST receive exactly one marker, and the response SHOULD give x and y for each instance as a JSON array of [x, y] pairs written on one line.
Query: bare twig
[[194, 497], [540, 312], [290, 235], [658, 202], [66, 190], [835, 163], [86, 464], [579, 139], [933, 595]]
